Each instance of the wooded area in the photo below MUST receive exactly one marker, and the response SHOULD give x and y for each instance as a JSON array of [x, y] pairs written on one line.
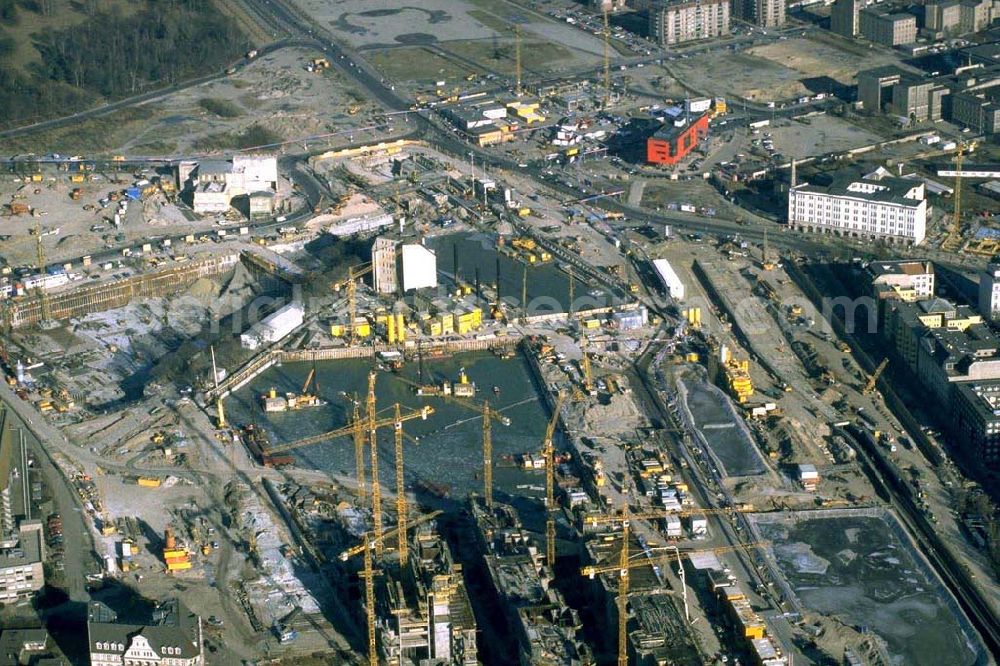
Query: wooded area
[[110, 56]]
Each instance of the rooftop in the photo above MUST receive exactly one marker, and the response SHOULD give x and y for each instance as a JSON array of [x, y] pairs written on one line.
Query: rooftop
[[876, 188], [900, 267], [172, 631], [670, 131], [28, 549]]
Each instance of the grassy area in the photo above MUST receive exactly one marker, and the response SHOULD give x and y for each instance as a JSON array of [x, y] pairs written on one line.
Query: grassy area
[[536, 56], [414, 63], [220, 107], [96, 135], [255, 135]]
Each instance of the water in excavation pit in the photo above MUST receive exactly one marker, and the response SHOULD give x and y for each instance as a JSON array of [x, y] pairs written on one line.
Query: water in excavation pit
[[449, 450], [547, 285]]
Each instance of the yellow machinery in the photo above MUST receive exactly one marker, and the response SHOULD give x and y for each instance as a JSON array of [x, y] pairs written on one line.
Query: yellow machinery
[[870, 385], [368, 573], [354, 273], [765, 260], [548, 450]]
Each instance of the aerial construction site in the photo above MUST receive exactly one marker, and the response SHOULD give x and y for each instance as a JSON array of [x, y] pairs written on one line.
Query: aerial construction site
[[449, 383]]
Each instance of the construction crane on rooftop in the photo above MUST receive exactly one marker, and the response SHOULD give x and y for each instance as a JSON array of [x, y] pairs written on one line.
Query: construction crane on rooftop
[[368, 573], [548, 450], [870, 385]]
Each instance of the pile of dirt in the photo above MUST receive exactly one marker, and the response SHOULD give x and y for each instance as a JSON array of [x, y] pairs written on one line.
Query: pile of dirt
[[619, 416]]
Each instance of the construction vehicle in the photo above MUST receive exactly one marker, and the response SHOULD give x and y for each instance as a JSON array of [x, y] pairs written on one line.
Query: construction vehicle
[[765, 260], [368, 574], [548, 450], [873, 380], [737, 376], [320, 63]]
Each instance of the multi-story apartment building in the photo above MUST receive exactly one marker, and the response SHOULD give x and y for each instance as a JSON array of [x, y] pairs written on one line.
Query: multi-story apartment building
[[874, 207], [989, 291], [976, 419], [886, 28], [22, 546], [674, 22], [764, 13], [978, 109]]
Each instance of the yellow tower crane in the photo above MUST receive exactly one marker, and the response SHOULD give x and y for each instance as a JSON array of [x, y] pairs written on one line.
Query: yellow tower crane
[[870, 385], [953, 239], [354, 273], [373, 446], [401, 508], [368, 573], [548, 450], [358, 435]]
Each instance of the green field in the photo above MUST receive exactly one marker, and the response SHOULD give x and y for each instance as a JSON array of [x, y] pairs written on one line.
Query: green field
[[415, 63]]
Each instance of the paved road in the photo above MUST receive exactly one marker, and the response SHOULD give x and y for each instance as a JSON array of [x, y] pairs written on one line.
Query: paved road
[[77, 540]]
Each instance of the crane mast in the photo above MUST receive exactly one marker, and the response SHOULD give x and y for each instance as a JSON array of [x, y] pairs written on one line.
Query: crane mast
[[400, 489], [358, 431], [487, 455], [373, 444], [549, 453]]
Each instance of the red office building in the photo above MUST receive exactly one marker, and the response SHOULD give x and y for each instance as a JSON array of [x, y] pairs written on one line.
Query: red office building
[[671, 142]]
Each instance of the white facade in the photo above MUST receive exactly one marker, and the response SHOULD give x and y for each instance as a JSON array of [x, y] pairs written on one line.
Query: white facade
[[419, 267], [220, 182], [884, 208], [671, 282], [274, 327], [674, 527], [989, 292], [253, 173], [360, 225]]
